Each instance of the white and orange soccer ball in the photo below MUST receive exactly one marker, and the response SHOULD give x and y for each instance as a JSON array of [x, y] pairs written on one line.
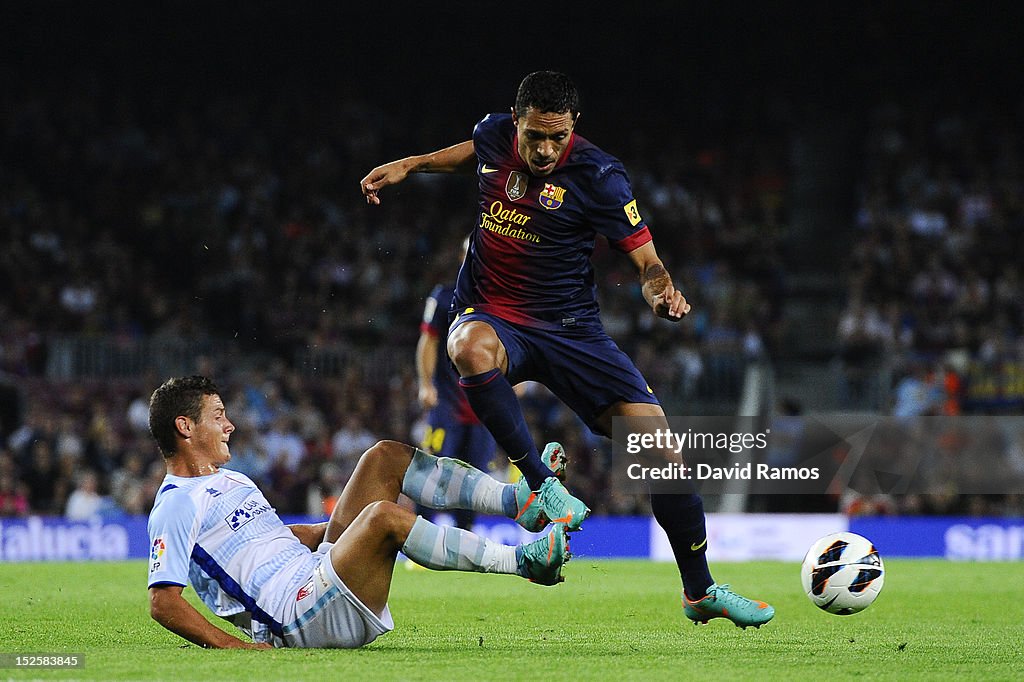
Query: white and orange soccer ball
[[842, 573]]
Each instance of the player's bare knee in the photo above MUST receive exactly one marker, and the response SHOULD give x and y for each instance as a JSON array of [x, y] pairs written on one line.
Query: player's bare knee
[[388, 457], [389, 518], [473, 349]]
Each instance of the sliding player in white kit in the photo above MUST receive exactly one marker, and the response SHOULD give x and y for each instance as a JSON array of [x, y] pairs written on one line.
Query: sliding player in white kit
[[320, 585]]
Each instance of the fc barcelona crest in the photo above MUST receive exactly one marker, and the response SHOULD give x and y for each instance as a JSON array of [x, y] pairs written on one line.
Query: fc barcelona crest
[[515, 188], [552, 196]]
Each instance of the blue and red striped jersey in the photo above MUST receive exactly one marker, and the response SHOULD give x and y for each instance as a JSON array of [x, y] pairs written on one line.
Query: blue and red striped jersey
[[529, 257], [451, 399]]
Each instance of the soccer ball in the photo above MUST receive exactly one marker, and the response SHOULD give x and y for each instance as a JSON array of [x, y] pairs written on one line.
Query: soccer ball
[[842, 573]]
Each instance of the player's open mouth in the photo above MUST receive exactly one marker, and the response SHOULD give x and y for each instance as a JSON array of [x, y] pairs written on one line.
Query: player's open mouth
[[548, 165]]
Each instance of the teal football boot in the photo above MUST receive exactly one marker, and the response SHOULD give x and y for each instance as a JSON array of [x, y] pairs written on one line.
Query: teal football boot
[[530, 512], [541, 561], [721, 602]]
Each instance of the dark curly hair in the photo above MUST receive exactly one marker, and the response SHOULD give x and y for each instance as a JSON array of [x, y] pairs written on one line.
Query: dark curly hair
[[178, 397], [547, 91]]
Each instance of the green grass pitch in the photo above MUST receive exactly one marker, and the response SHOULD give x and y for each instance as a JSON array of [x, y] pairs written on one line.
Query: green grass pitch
[[618, 620]]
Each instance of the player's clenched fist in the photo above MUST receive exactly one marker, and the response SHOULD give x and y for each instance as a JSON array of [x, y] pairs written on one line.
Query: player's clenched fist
[[670, 304], [666, 301]]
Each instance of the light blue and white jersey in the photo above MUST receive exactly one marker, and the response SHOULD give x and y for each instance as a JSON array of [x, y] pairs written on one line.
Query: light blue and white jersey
[[219, 534]]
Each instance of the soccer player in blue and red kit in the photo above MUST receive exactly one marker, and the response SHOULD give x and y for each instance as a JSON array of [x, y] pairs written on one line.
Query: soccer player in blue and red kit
[[453, 429], [526, 305]]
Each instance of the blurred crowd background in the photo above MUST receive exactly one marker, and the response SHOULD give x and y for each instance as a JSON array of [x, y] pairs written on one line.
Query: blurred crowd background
[[172, 209]]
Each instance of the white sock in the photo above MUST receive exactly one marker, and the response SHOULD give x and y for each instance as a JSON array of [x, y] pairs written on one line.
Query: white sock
[[447, 548], [446, 483]]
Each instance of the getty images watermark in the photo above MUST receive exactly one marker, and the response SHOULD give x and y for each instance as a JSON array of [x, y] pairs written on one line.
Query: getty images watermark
[[819, 455], [666, 440]]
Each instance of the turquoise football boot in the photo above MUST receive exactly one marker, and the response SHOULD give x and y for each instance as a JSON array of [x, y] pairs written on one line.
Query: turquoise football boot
[[541, 561], [721, 602], [530, 512]]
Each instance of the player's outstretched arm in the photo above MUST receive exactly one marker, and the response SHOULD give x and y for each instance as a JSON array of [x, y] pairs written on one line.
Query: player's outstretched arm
[[665, 300], [169, 608], [458, 157]]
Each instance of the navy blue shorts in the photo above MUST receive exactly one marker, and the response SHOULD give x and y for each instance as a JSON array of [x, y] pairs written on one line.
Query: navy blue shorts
[[582, 366], [447, 437]]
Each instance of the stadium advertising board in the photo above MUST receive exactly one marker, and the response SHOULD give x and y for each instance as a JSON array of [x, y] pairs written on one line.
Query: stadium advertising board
[[744, 537], [958, 539], [54, 539], [731, 537]]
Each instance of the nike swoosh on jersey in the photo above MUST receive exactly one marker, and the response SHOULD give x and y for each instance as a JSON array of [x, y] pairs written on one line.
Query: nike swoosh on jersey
[[487, 169]]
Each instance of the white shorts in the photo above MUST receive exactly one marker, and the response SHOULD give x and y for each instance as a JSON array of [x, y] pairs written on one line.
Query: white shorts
[[323, 613]]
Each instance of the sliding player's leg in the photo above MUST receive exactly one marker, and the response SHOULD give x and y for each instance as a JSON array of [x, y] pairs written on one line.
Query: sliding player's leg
[[389, 468], [363, 557]]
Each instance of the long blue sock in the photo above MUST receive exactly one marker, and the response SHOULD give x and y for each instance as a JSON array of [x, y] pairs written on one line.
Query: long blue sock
[[496, 405], [682, 517]]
